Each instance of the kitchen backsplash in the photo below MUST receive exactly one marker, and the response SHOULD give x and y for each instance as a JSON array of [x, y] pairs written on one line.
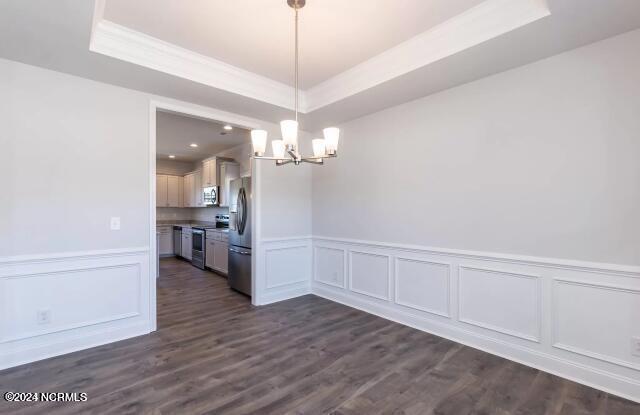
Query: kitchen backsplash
[[198, 214]]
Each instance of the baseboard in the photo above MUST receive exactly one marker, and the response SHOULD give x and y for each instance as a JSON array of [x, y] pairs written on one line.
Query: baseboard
[[284, 293], [589, 376], [72, 344]]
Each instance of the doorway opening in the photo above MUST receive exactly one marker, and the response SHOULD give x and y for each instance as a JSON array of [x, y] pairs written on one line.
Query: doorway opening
[[203, 204]]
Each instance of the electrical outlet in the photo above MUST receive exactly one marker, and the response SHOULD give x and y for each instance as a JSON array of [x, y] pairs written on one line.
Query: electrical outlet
[[43, 316], [635, 346], [115, 223], [335, 276]]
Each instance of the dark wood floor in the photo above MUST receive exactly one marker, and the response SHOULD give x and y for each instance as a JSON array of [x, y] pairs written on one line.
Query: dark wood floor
[[215, 353]]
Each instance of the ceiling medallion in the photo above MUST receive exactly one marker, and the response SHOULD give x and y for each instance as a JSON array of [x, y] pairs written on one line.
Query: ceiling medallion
[[322, 147]]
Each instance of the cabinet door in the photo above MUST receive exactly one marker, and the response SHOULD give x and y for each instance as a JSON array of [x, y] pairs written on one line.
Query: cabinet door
[[174, 191], [165, 240], [206, 174], [186, 246], [198, 197], [209, 255], [221, 257], [187, 191], [161, 190], [209, 173]]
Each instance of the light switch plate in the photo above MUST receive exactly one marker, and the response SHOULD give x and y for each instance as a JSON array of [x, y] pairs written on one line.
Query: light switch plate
[[635, 346], [115, 223]]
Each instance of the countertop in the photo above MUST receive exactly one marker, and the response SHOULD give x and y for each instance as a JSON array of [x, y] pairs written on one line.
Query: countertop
[[189, 224]]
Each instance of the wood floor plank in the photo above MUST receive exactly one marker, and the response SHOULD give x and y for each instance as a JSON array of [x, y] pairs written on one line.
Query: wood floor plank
[[215, 353]]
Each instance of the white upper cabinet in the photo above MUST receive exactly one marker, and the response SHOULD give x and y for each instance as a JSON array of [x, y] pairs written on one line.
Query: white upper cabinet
[[161, 190], [198, 199], [189, 191], [174, 191], [209, 173], [168, 191], [228, 171]]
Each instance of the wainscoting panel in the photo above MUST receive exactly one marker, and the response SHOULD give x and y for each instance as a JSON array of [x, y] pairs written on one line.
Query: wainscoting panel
[[55, 304], [329, 266], [369, 274], [598, 321], [501, 301], [575, 319], [423, 285], [287, 269]]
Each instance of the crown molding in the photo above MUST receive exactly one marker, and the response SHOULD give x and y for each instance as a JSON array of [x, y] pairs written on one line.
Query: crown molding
[[479, 24], [116, 41]]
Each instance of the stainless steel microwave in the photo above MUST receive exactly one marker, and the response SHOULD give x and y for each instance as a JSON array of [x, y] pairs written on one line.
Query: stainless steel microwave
[[210, 196]]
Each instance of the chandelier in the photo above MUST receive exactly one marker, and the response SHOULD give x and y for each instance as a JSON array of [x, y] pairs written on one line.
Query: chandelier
[[286, 150]]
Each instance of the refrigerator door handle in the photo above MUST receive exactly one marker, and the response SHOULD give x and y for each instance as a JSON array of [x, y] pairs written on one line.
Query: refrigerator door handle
[[240, 252], [239, 212], [242, 196]]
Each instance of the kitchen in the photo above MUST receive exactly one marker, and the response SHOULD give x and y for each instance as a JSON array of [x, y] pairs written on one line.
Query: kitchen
[[203, 197]]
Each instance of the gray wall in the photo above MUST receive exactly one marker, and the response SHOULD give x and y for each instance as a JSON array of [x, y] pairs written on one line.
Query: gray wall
[[73, 153], [541, 160]]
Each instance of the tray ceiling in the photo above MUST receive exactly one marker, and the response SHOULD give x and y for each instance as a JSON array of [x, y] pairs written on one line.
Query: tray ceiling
[[257, 35]]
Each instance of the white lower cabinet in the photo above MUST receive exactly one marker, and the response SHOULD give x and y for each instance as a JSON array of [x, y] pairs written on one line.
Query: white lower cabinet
[[221, 257], [209, 254], [165, 240], [217, 255], [186, 246]]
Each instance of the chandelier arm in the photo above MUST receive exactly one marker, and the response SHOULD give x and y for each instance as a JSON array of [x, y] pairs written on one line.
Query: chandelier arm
[[312, 160]]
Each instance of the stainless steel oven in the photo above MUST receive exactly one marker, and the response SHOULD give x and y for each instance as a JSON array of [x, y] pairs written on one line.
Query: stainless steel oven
[[198, 236]]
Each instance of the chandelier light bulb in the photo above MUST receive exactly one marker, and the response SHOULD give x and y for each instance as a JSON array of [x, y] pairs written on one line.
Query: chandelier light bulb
[[319, 147], [289, 133], [259, 141], [331, 136]]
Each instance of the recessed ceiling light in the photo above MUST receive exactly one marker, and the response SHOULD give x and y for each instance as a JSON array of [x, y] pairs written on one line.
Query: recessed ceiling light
[[194, 145], [172, 156], [228, 127]]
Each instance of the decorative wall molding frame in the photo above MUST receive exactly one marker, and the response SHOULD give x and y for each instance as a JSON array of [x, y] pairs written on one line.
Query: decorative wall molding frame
[[555, 332], [109, 286], [483, 22], [537, 308], [536, 344], [386, 270], [449, 278], [286, 266], [343, 266]]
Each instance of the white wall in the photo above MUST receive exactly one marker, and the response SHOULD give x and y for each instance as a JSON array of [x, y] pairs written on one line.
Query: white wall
[[443, 213], [74, 153], [540, 160]]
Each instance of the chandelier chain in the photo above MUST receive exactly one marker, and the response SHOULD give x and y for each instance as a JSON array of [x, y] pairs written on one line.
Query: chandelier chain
[[296, 62]]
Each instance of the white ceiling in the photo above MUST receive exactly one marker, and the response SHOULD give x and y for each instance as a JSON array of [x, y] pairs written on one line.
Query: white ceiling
[[57, 34], [175, 133], [257, 35]]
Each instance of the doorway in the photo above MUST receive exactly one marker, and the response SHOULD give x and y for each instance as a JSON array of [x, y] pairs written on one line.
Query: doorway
[[222, 125]]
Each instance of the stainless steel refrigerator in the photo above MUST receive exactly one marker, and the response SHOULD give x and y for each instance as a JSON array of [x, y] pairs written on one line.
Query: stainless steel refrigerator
[[239, 276]]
